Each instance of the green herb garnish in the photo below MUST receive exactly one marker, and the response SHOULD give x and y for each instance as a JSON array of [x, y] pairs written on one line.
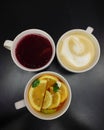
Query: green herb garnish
[[55, 87], [35, 83]]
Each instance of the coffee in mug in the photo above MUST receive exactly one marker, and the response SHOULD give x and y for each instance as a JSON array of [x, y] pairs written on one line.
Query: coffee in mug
[[78, 50]]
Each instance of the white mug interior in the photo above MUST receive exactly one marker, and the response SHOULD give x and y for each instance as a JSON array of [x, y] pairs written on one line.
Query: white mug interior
[[95, 42], [27, 32]]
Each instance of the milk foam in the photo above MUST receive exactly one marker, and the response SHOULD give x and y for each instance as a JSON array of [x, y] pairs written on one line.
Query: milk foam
[[75, 51]]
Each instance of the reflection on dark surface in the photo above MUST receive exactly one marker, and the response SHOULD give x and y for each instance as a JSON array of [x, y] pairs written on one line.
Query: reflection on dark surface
[[65, 122]]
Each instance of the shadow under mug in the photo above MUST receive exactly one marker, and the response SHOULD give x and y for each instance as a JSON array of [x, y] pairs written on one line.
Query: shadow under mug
[[25, 102], [38, 35]]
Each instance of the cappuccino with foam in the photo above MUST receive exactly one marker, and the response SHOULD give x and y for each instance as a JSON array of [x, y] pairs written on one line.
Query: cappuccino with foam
[[78, 50]]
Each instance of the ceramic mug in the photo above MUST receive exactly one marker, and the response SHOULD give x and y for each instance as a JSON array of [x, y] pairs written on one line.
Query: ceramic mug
[[28, 92], [32, 49], [78, 50]]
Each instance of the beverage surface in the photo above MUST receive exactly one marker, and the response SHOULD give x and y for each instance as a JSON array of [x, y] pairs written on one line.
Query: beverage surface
[[33, 51], [47, 94], [77, 51]]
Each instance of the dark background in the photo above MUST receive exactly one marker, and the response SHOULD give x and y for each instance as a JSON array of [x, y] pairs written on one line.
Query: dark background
[[86, 111]]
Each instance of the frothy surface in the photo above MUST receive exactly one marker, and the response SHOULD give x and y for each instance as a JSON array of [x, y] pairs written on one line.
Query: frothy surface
[[77, 51]]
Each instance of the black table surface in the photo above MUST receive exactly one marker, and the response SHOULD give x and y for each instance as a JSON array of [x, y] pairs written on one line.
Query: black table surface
[[86, 111]]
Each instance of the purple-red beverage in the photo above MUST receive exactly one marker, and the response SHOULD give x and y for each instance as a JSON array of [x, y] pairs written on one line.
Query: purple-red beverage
[[34, 51]]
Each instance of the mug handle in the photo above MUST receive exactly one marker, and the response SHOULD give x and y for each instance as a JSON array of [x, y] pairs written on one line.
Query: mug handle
[[90, 29], [8, 44], [20, 104]]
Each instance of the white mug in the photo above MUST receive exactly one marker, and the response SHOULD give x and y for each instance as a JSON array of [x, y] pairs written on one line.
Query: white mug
[[25, 102], [12, 46], [78, 50]]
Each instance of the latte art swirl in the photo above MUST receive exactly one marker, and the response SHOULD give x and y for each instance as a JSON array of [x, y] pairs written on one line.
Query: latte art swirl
[[76, 50]]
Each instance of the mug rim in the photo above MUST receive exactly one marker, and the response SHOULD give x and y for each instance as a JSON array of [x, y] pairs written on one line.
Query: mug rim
[[32, 31], [35, 113], [96, 42]]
